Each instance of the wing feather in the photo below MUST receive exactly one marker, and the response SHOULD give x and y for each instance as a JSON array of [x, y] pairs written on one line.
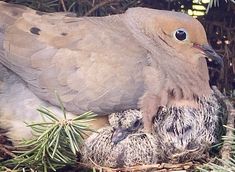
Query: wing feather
[[93, 63]]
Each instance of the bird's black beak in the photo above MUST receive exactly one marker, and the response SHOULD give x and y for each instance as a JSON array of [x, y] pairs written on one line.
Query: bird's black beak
[[210, 53], [119, 135]]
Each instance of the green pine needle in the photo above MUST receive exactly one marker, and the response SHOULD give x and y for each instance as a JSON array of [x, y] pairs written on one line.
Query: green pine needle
[[223, 165], [56, 142]]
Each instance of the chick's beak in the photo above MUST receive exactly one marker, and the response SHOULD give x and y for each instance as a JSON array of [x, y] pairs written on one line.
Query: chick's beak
[[119, 135], [210, 53]]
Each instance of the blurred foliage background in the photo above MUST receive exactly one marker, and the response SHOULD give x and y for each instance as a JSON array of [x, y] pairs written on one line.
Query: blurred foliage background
[[217, 16]]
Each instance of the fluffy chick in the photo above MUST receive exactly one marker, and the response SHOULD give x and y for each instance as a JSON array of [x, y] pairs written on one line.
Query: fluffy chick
[[118, 150], [125, 123], [179, 134]]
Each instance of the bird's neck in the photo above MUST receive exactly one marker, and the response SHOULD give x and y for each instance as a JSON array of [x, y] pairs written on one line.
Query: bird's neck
[[186, 81]]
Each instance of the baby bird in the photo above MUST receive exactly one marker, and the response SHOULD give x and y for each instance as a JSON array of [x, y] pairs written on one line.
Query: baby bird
[[179, 134], [125, 123], [187, 133], [123, 143]]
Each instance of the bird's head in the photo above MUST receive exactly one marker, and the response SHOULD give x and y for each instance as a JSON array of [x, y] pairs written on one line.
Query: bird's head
[[174, 34], [125, 123]]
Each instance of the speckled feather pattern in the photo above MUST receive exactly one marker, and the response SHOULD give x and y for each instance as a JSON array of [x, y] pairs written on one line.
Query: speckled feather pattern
[[136, 149], [187, 129], [180, 134]]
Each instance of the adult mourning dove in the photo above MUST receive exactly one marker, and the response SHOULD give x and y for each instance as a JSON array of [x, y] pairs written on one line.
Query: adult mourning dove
[[144, 58], [179, 134]]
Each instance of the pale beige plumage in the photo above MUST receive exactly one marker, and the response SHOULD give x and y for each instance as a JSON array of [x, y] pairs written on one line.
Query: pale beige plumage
[[19, 105], [106, 64]]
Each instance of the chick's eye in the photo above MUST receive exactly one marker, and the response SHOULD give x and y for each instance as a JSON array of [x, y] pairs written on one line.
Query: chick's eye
[[136, 124], [181, 34]]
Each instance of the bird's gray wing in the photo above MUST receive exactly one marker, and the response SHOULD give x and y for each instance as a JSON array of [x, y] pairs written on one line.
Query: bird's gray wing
[[93, 63]]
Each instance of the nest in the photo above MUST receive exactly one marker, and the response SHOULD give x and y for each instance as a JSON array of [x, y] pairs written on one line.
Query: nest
[[181, 135], [145, 152]]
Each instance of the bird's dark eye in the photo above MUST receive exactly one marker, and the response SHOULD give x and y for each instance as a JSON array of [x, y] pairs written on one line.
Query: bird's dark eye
[[181, 34], [136, 124]]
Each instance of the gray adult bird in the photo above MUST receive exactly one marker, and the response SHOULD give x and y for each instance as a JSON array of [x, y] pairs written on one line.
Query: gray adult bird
[[144, 58]]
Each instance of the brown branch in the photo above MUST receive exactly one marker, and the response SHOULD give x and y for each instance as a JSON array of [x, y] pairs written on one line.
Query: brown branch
[[63, 5], [6, 151], [227, 147], [162, 166], [100, 5]]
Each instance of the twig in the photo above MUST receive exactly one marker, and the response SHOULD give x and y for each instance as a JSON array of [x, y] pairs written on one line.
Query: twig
[[6, 151], [63, 5], [10, 148], [168, 166], [227, 147], [96, 166], [99, 5], [162, 166]]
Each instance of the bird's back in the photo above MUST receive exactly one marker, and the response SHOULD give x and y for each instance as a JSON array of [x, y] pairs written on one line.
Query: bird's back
[[93, 63]]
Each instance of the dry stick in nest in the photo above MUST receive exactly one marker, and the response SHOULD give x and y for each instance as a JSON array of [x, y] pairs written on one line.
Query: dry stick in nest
[[227, 147], [6, 151], [162, 166]]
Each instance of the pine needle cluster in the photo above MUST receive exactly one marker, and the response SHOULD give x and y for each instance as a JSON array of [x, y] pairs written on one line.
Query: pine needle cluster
[[223, 165], [55, 144]]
